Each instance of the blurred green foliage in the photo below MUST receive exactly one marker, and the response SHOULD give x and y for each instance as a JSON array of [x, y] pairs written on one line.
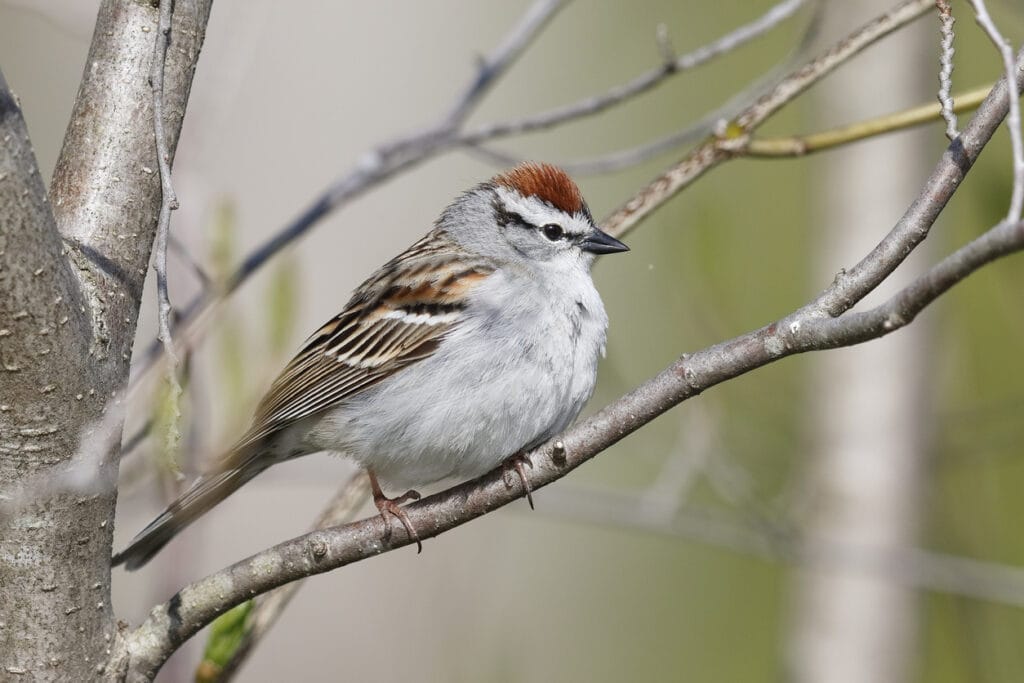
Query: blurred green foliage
[[226, 632], [231, 340], [282, 305], [235, 347], [166, 428]]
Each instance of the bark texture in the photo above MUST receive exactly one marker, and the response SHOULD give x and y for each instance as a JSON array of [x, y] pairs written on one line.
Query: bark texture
[[72, 266], [45, 399]]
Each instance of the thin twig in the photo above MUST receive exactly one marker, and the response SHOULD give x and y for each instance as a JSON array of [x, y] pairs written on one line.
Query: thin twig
[[610, 162], [1013, 119], [492, 67], [667, 494], [168, 203], [946, 67], [850, 286], [183, 252], [642, 83], [889, 123], [734, 136]]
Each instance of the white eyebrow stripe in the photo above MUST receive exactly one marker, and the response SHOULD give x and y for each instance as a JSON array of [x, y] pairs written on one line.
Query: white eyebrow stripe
[[421, 318]]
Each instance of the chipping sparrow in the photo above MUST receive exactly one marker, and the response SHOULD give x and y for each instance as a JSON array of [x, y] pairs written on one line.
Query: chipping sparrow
[[475, 345]]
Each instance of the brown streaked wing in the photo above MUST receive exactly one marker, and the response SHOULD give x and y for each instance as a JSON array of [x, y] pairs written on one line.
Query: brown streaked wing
[[395, 318]]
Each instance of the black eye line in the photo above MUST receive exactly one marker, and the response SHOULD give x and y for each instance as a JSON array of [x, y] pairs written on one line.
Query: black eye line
[[506, 217]]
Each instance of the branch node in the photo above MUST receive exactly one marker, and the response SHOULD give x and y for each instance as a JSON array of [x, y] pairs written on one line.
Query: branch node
[[667, 50], [317, 548], [558, 454], [946, 68]]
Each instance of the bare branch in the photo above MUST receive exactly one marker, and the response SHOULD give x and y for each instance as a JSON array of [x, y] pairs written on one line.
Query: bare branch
[[890, 123], [715, 151], [853, 285], [1013, 119], [853, 328], [946, 67], [182, 251], [614, 161], [494, 66], [168, 203], [76, 301], [640, 84], [810, 328]]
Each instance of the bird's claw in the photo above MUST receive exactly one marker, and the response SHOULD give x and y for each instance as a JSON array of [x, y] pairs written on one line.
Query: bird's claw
[[515, 464]]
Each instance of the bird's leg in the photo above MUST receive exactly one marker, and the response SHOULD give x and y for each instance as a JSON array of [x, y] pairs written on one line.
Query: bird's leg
[[515, 464], [390, 506]]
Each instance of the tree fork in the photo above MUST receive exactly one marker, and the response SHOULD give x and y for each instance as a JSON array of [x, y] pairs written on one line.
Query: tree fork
[[72, 266]]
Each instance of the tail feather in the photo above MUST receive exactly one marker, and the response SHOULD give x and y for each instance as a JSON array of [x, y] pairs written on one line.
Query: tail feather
[[206, 492]]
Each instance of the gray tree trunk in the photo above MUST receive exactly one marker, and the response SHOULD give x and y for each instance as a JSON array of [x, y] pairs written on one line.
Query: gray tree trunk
[[72, 266], [863, 483]]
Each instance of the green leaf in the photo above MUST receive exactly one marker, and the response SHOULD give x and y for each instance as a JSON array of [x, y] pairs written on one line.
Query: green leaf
[[226, 634], [167, 424]]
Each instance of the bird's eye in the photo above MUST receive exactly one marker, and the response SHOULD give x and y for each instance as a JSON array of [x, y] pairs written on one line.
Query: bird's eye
[[553, 231]]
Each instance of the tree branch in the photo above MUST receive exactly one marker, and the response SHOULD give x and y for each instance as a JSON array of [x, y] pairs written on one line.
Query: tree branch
[[610, 162], [890, 123], [812, 327], [72, 306], [639, 85], [946, 101], [43, 344], [734, 134], [852, 286], [168, 203], [495, 65], [1013, 119], [266, 609]]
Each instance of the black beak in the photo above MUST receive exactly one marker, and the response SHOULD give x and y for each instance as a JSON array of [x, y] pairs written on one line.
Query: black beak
[[598, 242]]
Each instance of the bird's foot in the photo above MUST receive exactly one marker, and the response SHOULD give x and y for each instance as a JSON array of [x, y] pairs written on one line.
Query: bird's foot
[[392, 506], [515, 464]]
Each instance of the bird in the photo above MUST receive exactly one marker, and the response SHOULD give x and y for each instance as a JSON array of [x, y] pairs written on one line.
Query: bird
[[469, 349]]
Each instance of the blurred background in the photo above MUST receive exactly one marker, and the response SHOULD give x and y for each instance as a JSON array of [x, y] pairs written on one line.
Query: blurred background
[[851, 515]]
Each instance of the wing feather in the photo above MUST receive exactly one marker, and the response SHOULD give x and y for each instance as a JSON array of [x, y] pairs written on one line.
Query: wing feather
[[397, 317]]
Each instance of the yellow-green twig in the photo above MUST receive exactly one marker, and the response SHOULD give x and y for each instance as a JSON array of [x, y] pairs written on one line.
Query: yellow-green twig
[[816, 142]]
